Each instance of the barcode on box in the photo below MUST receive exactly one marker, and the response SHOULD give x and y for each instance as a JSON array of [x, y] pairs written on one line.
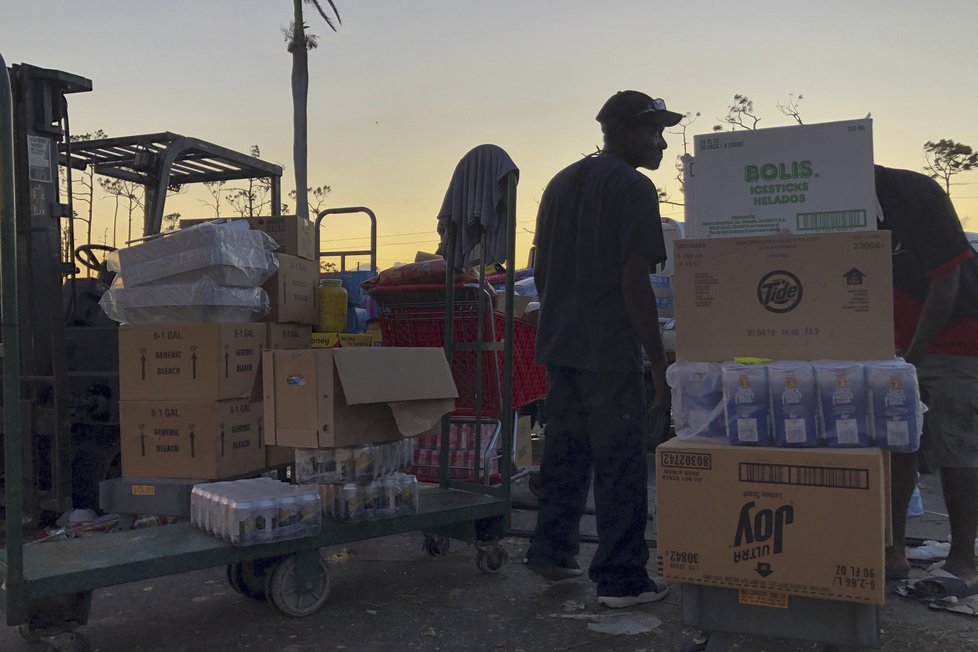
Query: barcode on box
[[794, 431], [805, 476], [747, 429], [831, 220], [847, 431]]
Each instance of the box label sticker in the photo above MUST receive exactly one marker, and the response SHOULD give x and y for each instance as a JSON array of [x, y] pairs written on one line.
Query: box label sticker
[[763, 599], [143, 490]]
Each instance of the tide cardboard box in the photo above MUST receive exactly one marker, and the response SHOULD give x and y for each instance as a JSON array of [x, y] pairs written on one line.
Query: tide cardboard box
[[204, 361], [801, 179], [806, 522], [295, 236], [793, 297], [292, 291], [321, 398], [191, 439]]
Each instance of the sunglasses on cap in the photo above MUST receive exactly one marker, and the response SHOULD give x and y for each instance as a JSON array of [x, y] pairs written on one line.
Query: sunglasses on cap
[[657, 104]]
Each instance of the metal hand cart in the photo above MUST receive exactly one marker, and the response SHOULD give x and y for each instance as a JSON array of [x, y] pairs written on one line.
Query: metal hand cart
[[47, 587]]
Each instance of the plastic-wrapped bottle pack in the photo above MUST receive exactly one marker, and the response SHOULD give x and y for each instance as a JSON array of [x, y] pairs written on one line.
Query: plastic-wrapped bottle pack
[[256, 510]]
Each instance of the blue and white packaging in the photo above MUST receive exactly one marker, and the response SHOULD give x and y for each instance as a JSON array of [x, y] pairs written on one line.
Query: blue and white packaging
[[843, 403], [697, 399], [794, 403], [746, 402], [896, 415]]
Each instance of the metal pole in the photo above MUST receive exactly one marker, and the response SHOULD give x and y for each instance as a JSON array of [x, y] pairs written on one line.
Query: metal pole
[[506, 404], [9, 319]]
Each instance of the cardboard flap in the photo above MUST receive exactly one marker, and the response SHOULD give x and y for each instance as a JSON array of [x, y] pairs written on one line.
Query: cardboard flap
[[394, 374], [416, 417]]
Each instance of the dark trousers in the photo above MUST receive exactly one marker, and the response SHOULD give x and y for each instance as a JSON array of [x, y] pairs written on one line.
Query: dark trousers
[[595, 424]]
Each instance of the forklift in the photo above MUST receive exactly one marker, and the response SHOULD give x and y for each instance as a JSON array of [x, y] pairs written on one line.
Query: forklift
[[68, 347]]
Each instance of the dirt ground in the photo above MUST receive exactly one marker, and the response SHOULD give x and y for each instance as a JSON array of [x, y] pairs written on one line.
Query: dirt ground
[[388, 594]]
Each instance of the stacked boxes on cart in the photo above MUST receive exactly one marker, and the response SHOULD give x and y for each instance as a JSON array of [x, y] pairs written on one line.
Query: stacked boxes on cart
[[198, 306]]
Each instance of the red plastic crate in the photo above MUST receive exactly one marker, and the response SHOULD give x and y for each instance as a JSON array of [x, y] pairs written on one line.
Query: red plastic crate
[[424, 325]]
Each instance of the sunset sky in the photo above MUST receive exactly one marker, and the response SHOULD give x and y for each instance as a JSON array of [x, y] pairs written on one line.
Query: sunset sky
[[406, 87]]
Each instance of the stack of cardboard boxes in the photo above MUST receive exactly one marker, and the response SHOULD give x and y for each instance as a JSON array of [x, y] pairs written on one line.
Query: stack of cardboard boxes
[[779, 522], [191, 403]]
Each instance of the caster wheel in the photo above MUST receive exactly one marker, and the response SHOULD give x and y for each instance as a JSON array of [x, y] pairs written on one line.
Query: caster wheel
[[489, 560], [533, 484], [284, 591], [29, 634], [436, 546], [248, 578], [233, 574]]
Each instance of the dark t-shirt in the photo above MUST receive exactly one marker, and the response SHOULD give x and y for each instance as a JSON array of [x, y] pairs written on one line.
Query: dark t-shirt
[[927, 241], [592, 215]]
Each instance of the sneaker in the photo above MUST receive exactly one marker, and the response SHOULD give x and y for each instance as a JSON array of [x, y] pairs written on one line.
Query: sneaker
[[652, 593], [554, 572]]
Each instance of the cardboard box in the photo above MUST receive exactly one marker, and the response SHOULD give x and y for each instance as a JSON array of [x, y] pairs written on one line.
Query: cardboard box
[[289, 336], [523, 450], [336, 340], [321, 398], [799, 179], [520, 302], [292, 291], [279, 456], [806, 522], [204, 361], [827, 296], [191, 439], [294, 236]]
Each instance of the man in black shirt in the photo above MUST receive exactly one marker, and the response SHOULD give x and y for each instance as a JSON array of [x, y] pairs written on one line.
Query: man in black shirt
[[598, 236]]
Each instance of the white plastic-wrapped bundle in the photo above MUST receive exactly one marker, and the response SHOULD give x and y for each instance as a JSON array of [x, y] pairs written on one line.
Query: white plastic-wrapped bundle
[[747, 405], [843, 403], [794, 403], [229, 253], [198, 301], [256, 510], [895, 407], [697, 399]]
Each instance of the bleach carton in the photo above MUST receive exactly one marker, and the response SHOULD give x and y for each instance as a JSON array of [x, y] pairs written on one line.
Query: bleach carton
[[843, 403], [895, 408], [794, 403], [747, 406]]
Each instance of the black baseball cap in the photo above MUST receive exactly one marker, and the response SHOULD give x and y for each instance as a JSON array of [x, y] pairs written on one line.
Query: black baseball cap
[[634, 106]]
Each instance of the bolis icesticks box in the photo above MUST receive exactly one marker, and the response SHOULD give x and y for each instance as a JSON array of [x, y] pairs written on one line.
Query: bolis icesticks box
[[799, 179], [804, 522]]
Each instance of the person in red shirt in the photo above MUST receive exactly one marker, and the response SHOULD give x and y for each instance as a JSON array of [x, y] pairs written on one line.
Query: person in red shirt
[[935, 299]]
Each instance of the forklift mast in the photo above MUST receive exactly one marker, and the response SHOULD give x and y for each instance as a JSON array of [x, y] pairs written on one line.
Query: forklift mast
[[40, 123]]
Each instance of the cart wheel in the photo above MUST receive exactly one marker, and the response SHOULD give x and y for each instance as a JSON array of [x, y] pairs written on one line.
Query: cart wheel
[[491, 559], [28, 633], [248, 578], [233, 574], [284, 591], [436, 547], [533, 483]]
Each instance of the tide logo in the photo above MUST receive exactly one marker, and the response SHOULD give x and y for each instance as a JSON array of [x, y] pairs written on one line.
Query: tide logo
[[779, 291]]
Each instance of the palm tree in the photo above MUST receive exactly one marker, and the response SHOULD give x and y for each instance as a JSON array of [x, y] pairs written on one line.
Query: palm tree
[[299, 44]]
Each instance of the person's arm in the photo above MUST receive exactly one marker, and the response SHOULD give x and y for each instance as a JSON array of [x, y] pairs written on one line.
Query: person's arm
[[644, 318], [938, 307]]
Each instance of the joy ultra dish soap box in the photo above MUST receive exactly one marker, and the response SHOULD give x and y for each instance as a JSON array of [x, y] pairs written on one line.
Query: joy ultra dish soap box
[[793, 297], [798, 179], [807, 522]]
